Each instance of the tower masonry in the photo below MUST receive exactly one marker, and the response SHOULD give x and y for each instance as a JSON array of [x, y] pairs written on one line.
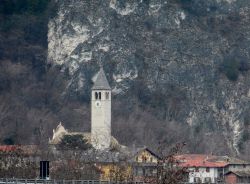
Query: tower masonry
[[101, 112]]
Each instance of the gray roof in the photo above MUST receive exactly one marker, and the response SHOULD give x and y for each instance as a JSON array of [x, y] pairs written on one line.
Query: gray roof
[[240, 173], [93, 156], [230, 160], [101, 81]]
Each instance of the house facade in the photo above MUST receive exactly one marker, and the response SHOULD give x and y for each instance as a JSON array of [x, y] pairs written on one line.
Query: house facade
[[203, 174], [233, 177], [202, 168], [137, 164], [144, 163], [212, 169]]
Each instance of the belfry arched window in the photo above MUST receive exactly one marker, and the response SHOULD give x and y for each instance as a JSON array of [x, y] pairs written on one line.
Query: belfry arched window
[[107, 95], [100, 95], [96, 95]]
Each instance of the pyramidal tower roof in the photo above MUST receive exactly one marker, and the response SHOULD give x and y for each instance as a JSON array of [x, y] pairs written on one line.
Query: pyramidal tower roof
[[101, 81]]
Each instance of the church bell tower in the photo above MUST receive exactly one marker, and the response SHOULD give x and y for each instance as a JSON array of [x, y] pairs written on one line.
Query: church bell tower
[[101, 112]]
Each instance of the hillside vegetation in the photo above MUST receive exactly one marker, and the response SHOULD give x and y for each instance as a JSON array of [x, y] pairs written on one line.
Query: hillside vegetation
[[179, 70]]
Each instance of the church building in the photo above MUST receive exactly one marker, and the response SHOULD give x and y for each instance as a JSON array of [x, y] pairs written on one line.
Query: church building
[[100, 137]]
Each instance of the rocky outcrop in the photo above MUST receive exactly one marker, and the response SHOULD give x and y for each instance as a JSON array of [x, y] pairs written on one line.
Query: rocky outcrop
[[175, 53]]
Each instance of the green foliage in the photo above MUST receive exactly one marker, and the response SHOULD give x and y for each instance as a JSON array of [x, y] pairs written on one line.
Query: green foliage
[[73, 142], [196, 7], [8, 7], [36, 31], [9, 141], [230, 68], [245, 136], [28, 18], [247, 120], [15, 164], [6, 25], [244, 65], [234, 63], [4, 81]]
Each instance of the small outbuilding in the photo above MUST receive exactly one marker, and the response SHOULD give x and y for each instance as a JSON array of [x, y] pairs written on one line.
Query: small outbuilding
[[233, 177]]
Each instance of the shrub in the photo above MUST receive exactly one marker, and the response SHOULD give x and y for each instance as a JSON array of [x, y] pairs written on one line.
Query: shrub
[[244, 65], [73, 142], [9, 141], [196, 8], [247, 120], [9, 7], [230, 68], [6, 25], [233, 63], [245, 136]]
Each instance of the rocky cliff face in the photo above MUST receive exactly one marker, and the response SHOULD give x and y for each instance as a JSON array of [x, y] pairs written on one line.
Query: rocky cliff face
[[179, 70], [184, 61]]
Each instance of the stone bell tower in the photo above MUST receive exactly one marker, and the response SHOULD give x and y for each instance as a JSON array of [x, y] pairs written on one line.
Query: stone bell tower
[[101, 112]]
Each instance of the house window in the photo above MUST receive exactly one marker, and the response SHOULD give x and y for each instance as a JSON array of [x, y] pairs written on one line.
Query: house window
[[139, 171], [100, 95], [144, 158], [208, 180], [151, 159], [107, 95], [207, 169], [136, 171], [149, 171], [196, 169], [154, 172], [137, 159], [197, 180], [96, 95]]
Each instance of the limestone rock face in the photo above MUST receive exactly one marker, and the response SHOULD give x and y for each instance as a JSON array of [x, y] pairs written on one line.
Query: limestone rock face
[[172, 53]]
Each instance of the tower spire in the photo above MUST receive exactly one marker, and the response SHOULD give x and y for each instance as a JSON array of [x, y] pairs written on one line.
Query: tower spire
[[101, 82]]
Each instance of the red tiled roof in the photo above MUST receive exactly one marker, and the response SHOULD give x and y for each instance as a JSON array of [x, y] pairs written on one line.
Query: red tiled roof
[[200, 160], [25, 149], [8, 148]]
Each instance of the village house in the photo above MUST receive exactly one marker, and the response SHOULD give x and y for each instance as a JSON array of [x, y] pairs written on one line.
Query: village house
[[201, 168], [144, 163], [233, 177], [136, 164], [237, 171], [204, 168], [19, 160], [109, 160]]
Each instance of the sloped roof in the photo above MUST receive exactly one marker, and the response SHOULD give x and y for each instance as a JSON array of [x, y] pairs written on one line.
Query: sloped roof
[[8, 148], [101, 81], [137, 151], [203, 160], [228, 160], [24, 149], [240, 173], [200, 160]]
